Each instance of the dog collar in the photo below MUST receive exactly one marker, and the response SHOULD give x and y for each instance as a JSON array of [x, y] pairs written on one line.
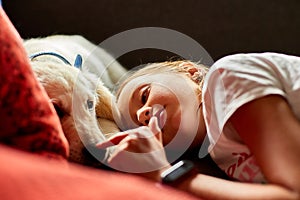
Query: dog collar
[[77, 63]]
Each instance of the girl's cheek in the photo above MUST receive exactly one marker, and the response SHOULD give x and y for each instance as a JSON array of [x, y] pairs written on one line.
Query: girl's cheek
[[175, 121]]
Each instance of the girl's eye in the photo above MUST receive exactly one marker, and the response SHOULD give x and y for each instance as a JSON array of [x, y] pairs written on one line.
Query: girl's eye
[[145, 94]]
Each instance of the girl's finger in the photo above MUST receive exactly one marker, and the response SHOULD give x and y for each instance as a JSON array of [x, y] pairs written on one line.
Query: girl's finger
[[153, 125], [114, 140], [117, 153]]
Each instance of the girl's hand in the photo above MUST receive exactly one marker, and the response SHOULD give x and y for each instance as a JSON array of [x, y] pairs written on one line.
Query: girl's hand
[[138, 150]]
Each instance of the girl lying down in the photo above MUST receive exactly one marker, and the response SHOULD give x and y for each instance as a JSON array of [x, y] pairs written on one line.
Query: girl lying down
[[247, 106]]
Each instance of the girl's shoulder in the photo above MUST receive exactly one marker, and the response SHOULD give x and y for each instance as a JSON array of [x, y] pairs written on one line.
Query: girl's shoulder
[[240, 78], [251, 62], [253, 70]]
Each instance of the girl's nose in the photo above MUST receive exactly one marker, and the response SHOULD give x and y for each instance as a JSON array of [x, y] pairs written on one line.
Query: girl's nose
[[144, 114]]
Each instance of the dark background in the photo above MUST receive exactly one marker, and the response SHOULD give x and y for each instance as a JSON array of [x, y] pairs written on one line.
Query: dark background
[[222, 27]]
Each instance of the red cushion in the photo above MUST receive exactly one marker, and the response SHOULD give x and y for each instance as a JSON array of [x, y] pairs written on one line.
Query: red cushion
[[28, 176], [28, 119]]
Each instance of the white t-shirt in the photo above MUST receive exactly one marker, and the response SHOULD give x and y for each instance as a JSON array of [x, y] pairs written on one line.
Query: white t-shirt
[[232, 82]]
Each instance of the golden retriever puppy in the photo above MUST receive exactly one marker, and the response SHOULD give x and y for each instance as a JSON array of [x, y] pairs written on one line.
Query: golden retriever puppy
[[82, 100], [69, 46]]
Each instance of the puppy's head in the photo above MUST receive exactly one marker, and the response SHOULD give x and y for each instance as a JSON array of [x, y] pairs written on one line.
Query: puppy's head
[[77, 96]]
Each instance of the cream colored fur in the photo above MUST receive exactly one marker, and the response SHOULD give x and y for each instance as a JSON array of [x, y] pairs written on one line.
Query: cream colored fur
[[69, 46], [70, 89]]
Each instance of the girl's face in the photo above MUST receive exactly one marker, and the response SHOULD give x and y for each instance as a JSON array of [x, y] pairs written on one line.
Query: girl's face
[[171, 98]]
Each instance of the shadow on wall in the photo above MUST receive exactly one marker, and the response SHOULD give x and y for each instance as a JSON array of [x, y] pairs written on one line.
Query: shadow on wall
[[221, 27]]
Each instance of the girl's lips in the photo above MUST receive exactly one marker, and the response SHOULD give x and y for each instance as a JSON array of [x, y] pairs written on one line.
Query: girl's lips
[[161, 117]]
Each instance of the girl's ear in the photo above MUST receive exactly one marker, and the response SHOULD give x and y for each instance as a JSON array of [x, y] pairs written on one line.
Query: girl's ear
[[195, 72], [189, 68]]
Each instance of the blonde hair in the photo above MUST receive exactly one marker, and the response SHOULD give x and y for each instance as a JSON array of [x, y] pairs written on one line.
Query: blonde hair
[[182, 66]]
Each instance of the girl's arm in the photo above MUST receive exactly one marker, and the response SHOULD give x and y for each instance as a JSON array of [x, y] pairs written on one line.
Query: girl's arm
[[209, 187], [271, 131]]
